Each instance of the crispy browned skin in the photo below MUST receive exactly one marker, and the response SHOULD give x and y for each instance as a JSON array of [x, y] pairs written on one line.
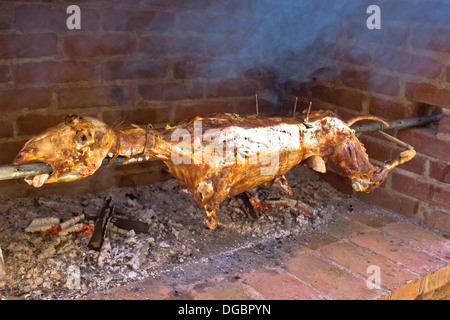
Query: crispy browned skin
[[223, 155]]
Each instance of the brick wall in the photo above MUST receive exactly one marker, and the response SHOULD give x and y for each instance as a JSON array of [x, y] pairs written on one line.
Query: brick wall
[[156, 61]]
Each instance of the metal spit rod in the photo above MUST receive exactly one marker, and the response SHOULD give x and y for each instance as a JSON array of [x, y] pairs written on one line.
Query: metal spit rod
[[8, 172], [402, 123]]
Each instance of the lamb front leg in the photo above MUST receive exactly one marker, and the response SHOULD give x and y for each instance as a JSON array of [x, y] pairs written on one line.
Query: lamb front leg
[[282, 183], [367, 183]]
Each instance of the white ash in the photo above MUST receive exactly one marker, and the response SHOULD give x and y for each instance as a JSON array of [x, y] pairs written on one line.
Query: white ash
[[38, 266]]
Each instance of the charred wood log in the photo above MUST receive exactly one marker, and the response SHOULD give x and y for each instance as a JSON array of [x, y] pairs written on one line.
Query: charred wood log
[[100, 225], [128, 224]]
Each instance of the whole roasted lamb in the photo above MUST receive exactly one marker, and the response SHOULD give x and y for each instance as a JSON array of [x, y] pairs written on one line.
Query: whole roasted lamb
[[212, 157]]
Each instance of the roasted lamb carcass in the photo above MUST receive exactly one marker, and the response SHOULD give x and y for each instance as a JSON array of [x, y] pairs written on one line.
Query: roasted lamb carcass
[[223, 155]]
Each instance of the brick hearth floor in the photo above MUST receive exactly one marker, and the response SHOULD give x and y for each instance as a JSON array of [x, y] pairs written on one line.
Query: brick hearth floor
[[330, 262]]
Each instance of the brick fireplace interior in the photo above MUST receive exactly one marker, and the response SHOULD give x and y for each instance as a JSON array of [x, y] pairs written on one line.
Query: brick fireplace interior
[[160, 62]]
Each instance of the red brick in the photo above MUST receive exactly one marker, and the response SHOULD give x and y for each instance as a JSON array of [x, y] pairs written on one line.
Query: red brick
[[142, 178], [32, 124], [383, 150], [440, 171], [325, 74], [9, 151], [396, 60], [143, 20], [95, 97], [87, 45], [297, 88], [444, 123], [216, 24], [394, 110], [443, 293], [4, 73], [355, 258], [265, 107], [329, 279], [391, 200], [172, 91], [431, 38], [35, 17], [397, 251], [277, 284], [338, 181], [419, 238], [439, 220], [189, 68], [6, 129], [424, 141], [441, 196], [409, 291], [354, 55], [5, 22], [163, 44], [416, 188], [372, 82], [416, 165], [54, 71], [350, 54], [27, 46], [149, 115], [29, 98], [218, 290], [231, 88], [219, 45], [378, 149], [382, 37], [436, 280], [428, 93], [134, 69], [10, 189], [341, 97], [183, 112]]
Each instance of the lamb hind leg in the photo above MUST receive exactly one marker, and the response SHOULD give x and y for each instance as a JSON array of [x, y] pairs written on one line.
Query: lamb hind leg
[[367, 183], [211, 219]]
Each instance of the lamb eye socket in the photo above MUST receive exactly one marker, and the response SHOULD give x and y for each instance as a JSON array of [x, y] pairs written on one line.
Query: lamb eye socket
[[82, 136]]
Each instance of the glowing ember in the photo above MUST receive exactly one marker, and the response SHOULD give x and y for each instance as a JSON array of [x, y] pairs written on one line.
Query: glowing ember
[[87, 229]]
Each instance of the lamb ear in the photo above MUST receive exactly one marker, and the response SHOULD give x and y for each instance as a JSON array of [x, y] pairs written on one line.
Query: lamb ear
[[73, 119]]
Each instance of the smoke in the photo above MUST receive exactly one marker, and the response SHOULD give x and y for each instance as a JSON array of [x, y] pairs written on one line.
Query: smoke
[[294, 38]]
